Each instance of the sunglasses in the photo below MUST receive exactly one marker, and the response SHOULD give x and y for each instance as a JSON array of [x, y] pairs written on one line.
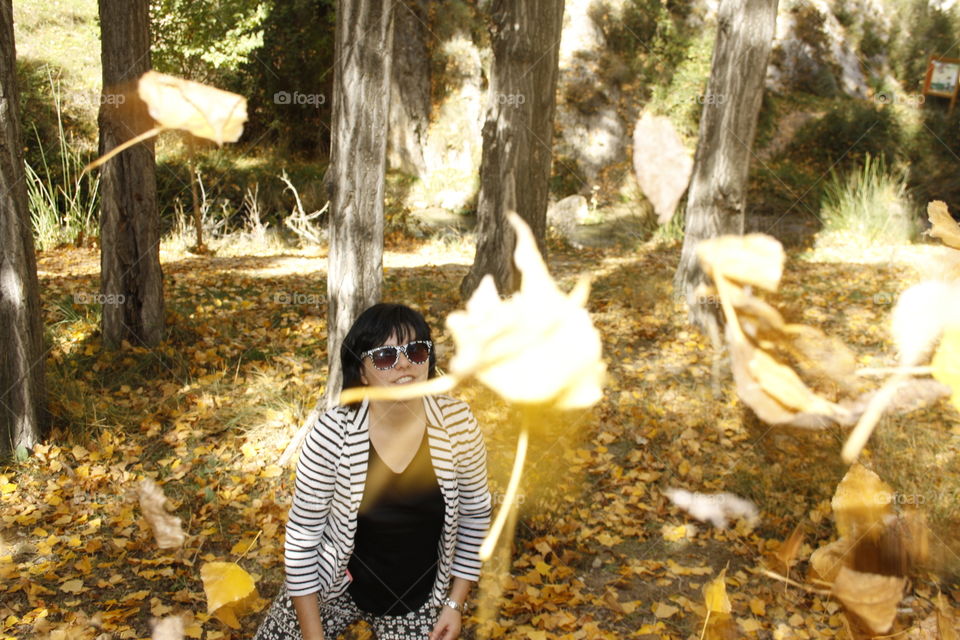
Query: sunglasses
[[384, 358]]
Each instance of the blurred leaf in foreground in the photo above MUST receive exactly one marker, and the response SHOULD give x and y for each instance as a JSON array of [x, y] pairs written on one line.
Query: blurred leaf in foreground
[[202, 110], [166, 527]]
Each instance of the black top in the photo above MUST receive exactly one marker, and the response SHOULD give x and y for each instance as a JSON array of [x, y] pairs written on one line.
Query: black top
[[394, 561]]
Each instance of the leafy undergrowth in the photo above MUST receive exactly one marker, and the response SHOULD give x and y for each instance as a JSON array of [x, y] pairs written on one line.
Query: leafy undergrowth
[[599, 551]]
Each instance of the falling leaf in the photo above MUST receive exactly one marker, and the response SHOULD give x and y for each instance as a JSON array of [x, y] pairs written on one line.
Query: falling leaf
[[920, 316], [715, 594], [202, 110], [716, 507], [873, 598], [662, 163], [827, 561], [168, 628], [754, 259], [166, 527], [502, 342], [946, 363], [229, 590], [946, 624], [861, 503], [943, 225]]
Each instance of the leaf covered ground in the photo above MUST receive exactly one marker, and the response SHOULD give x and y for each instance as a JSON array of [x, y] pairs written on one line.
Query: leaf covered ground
[[599, 550]]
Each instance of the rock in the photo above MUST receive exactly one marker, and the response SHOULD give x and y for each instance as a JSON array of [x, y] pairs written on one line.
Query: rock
[[453, 142], [662, 163], [590, 132], [566, 214], [812, 50]]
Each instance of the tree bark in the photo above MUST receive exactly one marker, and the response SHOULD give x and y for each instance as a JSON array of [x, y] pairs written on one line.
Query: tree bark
[[361, 92], [22, 393], [131, 280], [717, 198], [517, 135], [410, 89]]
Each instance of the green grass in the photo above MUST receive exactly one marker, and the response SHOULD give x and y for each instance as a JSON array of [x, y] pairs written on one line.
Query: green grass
[[63, 36], [63, 202], [870, 203]]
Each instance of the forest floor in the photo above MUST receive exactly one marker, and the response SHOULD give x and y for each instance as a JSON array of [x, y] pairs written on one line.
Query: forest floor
[[599, 551]]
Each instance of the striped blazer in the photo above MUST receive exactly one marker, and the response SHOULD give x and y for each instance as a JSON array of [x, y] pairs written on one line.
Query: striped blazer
[[331, 476]]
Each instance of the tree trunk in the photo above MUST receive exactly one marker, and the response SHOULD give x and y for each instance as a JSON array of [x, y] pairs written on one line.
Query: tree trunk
[[410, 89], [21, 330], [517, 135], [130, 277], [717, 198], [361, 92]]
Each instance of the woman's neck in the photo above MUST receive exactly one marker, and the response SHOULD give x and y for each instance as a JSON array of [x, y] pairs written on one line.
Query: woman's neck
[[397, 414]]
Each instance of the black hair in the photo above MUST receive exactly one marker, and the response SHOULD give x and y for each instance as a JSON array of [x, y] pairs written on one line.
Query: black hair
[[372, 328]]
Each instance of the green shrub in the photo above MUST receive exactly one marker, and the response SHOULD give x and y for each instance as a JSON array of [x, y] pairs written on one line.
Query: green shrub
[[844, 136], [870, 203]]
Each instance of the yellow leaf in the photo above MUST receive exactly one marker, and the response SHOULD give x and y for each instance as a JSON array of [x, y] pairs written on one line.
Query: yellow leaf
[[943, 225], [754, 259], [664, 610], [871, 597], [608, 540], [502, 342], [861, 503], [679, 532], [204, 111], [519, 347], [758, 607], [72, 586], [228, 588], [750, 625], [946, 363], [715, 594]]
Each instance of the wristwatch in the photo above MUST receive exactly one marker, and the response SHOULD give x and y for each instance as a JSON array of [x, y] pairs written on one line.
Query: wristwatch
[[453, 604]]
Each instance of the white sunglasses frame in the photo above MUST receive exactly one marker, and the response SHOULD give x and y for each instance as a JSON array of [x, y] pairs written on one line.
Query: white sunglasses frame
[[401, 348]]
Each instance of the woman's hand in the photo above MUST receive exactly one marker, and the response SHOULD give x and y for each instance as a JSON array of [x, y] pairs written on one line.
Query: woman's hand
[[448, 625]]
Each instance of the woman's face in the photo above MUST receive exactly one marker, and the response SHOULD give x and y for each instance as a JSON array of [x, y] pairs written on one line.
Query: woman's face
[[404, 372]]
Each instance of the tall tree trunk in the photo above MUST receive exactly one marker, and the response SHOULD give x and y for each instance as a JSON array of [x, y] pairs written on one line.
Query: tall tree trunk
[[410, 89], [361, 92], [717, 198], [21, 330], [517, 135], [130, 277]]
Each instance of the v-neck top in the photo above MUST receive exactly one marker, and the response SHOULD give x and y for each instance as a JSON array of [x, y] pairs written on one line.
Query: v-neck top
[[396, 547]]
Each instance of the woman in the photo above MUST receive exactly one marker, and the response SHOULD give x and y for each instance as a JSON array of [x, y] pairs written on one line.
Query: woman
[[391, 501]]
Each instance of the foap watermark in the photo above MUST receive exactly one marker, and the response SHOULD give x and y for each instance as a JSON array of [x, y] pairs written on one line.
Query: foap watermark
[[105, 299], [698, 299], [710, 99], [914, 499], [298, 297], [305, 99], [499, 497], [97, 100], [510, 99], [893, 97]]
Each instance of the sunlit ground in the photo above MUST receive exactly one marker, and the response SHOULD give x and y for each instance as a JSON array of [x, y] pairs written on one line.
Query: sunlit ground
[[599, 551]]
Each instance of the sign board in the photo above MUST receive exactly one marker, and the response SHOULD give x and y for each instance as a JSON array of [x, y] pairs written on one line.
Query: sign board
[[942, 78]]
